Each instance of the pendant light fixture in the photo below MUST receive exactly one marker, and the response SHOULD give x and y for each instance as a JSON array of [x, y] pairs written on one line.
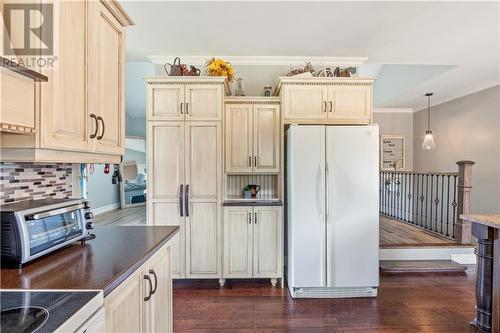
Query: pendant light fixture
[[428, 139]]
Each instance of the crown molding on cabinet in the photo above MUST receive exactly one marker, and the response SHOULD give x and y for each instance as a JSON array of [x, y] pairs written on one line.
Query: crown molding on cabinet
[[263, 60], [393, 110]]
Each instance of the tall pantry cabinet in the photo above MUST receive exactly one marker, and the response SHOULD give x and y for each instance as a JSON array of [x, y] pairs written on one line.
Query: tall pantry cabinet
[[184, 140]]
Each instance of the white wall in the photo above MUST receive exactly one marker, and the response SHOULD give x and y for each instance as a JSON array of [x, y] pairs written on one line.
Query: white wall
[[400, 124], [467, 128]]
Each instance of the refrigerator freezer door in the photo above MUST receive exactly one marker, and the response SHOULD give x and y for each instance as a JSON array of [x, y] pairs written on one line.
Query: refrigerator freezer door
[[352, 154], [306, 206]]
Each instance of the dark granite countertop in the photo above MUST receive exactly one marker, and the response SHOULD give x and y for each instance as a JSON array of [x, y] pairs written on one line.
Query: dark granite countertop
[[252, 202], [101, 264]]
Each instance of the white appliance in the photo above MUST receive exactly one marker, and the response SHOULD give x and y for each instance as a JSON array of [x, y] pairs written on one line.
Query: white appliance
[[333, 219]]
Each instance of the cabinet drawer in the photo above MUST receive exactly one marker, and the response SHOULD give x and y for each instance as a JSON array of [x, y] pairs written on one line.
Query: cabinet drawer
[[17, 103]]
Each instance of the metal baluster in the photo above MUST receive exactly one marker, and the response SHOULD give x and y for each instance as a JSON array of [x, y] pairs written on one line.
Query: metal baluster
[[442, 201], [426, 194], [454, 204], [430, 201], [436, 200], [380, 192], [403, 197], [448, 209]]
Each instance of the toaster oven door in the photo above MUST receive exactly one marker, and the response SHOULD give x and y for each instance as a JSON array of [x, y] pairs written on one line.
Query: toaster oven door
[[49, 229]]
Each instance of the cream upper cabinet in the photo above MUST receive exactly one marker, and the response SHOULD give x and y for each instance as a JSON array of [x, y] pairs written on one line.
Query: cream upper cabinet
[[238, 245], [80, 111], [252, 135], [350, 102], [203, 102], [106, 78], [64, 120], [266, 138], [267, 245], [253, 242], [185, 98], [305, 102], [238, 138], [167, 103], [326, 100]]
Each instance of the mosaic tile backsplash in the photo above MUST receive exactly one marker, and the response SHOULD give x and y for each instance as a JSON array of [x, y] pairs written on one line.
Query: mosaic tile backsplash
[[26, 181]]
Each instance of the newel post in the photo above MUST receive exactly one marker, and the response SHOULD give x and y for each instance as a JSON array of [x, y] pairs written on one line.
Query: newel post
[[464, 186]]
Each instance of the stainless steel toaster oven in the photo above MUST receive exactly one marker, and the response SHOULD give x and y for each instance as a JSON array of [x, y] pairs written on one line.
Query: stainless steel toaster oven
[[30, 229]]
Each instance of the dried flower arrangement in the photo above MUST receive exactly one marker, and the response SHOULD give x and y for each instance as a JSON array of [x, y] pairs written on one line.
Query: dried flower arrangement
[[307, 67], [219, 67]]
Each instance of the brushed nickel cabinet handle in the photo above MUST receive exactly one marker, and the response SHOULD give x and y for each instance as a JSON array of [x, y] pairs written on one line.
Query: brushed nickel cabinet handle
[[93, 135]]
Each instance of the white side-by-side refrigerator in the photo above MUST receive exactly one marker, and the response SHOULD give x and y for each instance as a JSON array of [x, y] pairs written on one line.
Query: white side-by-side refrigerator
[[332, 205]]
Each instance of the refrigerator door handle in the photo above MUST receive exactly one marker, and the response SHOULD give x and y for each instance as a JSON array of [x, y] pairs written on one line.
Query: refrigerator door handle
[[319, 192], [327, 196]]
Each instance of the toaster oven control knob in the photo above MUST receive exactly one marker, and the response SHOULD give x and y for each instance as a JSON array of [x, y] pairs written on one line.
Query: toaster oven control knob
[[89, 225], [89, 215]]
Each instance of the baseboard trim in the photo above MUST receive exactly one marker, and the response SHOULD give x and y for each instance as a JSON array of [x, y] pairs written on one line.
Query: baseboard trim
[[462, 255], [105, 209]]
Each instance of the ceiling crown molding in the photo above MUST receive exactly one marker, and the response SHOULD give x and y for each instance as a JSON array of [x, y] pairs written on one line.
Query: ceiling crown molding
[[393, 110], [263, 60]]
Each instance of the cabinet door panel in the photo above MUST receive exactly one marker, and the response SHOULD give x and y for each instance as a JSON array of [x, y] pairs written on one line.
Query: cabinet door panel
[[106, 78], [64, 118], [167, 103], [350, 103], [267, 242], [203, 240], [159, 317], [166, 160], [238, 242], [124, 306], [305, 102], [168, 214], [266, 138], [204, 102], [203, 161], [238, 138]]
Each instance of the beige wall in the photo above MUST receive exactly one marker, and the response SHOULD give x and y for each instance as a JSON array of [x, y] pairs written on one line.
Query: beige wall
[[467, 128], [391, 123]]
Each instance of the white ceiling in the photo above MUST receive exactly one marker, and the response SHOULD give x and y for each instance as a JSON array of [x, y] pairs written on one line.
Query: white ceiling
[[450, 48]]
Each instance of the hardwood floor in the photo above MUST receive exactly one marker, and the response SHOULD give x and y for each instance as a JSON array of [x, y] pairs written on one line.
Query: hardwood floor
[[126, 216], [395, 233], [435, 302]]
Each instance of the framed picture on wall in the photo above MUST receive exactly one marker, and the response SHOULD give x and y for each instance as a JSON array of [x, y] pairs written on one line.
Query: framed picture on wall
[[392, 152]]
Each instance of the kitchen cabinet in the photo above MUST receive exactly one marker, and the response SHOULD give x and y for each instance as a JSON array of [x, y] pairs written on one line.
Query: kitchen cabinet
[[186, 189], [106, 72], [252, 135], [253, 242], [326, 100], [80, 117], [143, 302], [186, 98]]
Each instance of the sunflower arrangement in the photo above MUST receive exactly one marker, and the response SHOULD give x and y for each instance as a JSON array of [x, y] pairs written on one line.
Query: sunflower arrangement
[[219, 67]]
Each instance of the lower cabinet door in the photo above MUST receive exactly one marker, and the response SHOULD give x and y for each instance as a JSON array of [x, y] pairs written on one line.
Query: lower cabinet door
[[203, 229], [159, 307], [124, 306], [237, 250], [267, 230], [167, 213]]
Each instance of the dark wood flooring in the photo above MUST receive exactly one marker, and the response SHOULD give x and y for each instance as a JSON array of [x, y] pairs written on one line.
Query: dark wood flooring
[[418, 302]]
